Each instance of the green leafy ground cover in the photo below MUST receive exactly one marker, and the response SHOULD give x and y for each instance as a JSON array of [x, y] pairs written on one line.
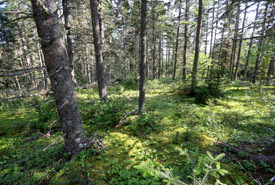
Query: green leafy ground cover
[[172, 124]]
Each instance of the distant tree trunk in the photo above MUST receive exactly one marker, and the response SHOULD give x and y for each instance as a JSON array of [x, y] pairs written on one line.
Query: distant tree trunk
[[260, 47], [211, 37], [220, 52], [101, 23], [25, 59], [251, 42], [206, 34], [142, 55], [159, 71], [212, 29], [18, 85], [234, 46], [271, 68], [153, 40], [44, 72], [197, 47], [162, 60], [215, 35], [49, 30], [100, 67], [167, 59], [66, 13], [240, 45], [147, 62], [186, 18], [177, 43]]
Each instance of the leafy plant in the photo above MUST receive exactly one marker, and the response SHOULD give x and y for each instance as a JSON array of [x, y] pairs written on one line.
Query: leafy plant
[[130, 84], [108, 114], [199, 169], [143, 124], [204, 93]]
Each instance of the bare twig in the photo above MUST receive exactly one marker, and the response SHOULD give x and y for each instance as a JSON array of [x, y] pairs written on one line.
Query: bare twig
[[271, 180], [255, 180], [53, 122], [54, 142]]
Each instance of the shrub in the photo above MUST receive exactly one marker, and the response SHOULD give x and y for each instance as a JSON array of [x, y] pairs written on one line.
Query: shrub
[[143, 124], [197, 169], [130, 84], [204, 93], [108, 113]]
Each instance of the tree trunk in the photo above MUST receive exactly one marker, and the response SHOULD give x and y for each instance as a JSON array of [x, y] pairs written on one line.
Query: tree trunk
[[18, 85], [159, 71], [271, 68], [215, 36], [251, 41], [186, 18], [146, 61], [49, 30], [259, 54], [44, 72], [206, 34], [66, 13], [211, 38], [177, 43], [234, 46], [240, 45], [101, 23], [197, 48], [154, 40], [142, 55], [100, 67]]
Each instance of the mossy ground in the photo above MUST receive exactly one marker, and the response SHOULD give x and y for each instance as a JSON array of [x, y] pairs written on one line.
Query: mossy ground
[[242, 118]]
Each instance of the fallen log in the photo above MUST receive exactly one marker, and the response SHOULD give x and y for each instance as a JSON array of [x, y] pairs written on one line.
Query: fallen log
[[20, 71], [256, 158]]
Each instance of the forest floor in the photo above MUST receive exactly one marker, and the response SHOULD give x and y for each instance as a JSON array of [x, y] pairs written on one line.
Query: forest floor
[[173, 135]]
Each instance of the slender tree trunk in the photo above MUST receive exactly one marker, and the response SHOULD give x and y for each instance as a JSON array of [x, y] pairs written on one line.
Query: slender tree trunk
[[197, 48], [18, 85], [251, 42], [168, 61], [177, 43], [101, 23], [44, 72], [215, 36], [240, 45], [25, 59], [206, 36], [271, 68], [211, 38], [159, 71], [234, 47], [260, 48], [186, 26], [162, 60], [142, 55], [153, 40], [221, 50], [49, 30], [147, 62], [212, 29], [66, 13], [100, 66]]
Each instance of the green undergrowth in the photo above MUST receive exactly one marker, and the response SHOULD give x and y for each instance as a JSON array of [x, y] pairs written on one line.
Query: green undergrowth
[[170, 124]]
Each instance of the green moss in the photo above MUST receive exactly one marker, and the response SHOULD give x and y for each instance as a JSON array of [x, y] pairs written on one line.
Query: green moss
[[179, 122]]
